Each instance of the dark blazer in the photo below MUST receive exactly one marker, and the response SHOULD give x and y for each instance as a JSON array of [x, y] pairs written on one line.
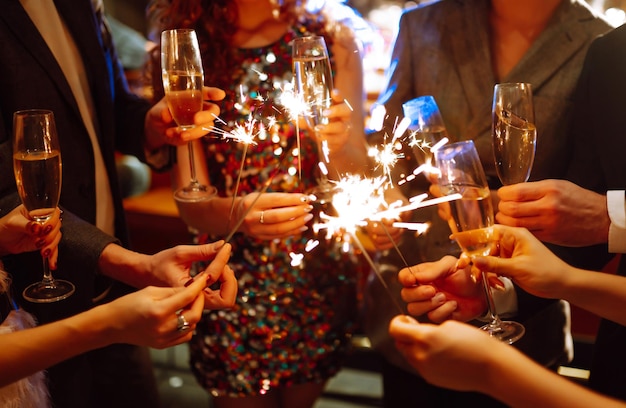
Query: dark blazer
[[31, 78], [598, 164]]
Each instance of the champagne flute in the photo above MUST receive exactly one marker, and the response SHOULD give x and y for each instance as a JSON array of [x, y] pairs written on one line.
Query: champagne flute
[[313, 81], [427, 127], [472, 219], [514, 132], [183, 79], [37, 168]]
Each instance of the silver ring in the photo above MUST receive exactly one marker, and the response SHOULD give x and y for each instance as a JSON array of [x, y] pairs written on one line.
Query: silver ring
[[182, 325], [261, 220]]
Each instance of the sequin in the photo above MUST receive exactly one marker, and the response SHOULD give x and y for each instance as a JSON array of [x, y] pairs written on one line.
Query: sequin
[[290, 325]]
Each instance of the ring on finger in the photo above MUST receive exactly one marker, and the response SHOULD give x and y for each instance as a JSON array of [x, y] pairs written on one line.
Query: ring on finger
[[262, 217], [182, 325]]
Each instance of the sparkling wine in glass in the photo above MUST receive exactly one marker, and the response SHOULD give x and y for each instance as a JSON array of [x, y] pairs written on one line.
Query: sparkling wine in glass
[[313, 80], [427, 127], [514, 132], [183, 78], [37, 168], [472, 218]]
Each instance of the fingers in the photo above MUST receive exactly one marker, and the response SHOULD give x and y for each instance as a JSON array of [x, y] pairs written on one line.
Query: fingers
[[213, 94], [219, 271]]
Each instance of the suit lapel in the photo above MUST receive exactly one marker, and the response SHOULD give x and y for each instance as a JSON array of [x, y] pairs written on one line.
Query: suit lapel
[[473, 61], [16, 18], [559, 42]]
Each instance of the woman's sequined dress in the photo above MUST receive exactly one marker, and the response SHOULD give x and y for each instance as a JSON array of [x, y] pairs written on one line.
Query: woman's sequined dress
[[291, 324]]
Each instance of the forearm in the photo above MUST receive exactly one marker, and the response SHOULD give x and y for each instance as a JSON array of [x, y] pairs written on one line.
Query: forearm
[[351, 159], [600, 293], [26, 352], [216, 217], [127, 266], [520, 382]]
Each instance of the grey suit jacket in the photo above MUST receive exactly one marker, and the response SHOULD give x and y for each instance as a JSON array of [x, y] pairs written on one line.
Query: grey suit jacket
[[442, 49]]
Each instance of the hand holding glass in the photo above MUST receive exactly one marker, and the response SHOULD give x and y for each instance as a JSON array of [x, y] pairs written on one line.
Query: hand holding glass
[[514, 132], [461, 172], [183, 79], [313, 80], [37, 168]]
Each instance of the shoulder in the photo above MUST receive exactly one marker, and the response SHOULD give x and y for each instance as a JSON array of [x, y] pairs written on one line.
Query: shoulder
[[587, 18]]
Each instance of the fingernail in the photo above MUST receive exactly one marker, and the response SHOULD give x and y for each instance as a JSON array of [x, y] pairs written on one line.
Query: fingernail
[[39, 243], [308, 217], [47, 229], [304, 228], [439, 298], [308, 208], [306, 199], [34, 227], [499, 287], [46, 253]]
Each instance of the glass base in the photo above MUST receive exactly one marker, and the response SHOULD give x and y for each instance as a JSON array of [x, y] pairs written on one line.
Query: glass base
[[47, 292], [195, 193], [505, 331]]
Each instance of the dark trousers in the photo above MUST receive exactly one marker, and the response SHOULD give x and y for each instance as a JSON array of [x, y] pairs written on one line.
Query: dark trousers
[[117, 376], [404, 389]]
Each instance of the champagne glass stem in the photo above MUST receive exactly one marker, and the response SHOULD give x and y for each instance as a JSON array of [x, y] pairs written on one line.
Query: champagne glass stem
[[47, 275], [192, 164], [491, 306]]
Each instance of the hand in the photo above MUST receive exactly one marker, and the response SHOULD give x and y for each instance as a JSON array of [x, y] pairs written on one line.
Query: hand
[[148, 317], [442, 291], [337, 132], [219, 271], [452, 355], [527, 261], [556, 211], [382, 233], [19, 234], [161, 129], [171, 267], [274, 215]]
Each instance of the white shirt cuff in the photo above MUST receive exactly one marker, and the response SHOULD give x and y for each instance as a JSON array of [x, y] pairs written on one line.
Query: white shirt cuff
[[616, 204], [505, 300]]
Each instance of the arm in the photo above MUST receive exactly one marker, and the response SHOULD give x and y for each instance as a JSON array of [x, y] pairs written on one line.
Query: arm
[[346, 131], [480, 363], [171, 268], [538, 271], [146, 318]]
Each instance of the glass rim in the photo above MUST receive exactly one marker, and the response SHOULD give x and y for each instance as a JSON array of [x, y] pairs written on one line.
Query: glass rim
[[34, 111]]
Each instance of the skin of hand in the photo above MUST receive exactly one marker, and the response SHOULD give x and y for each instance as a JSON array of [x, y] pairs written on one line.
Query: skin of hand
[[442, 291], [284, 214], [170, 267], [530, 264], [441, 358], [464, 358], [160, 128], [556, 211], [382, 233], [337, 132], [146, 317], [19, 234]]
